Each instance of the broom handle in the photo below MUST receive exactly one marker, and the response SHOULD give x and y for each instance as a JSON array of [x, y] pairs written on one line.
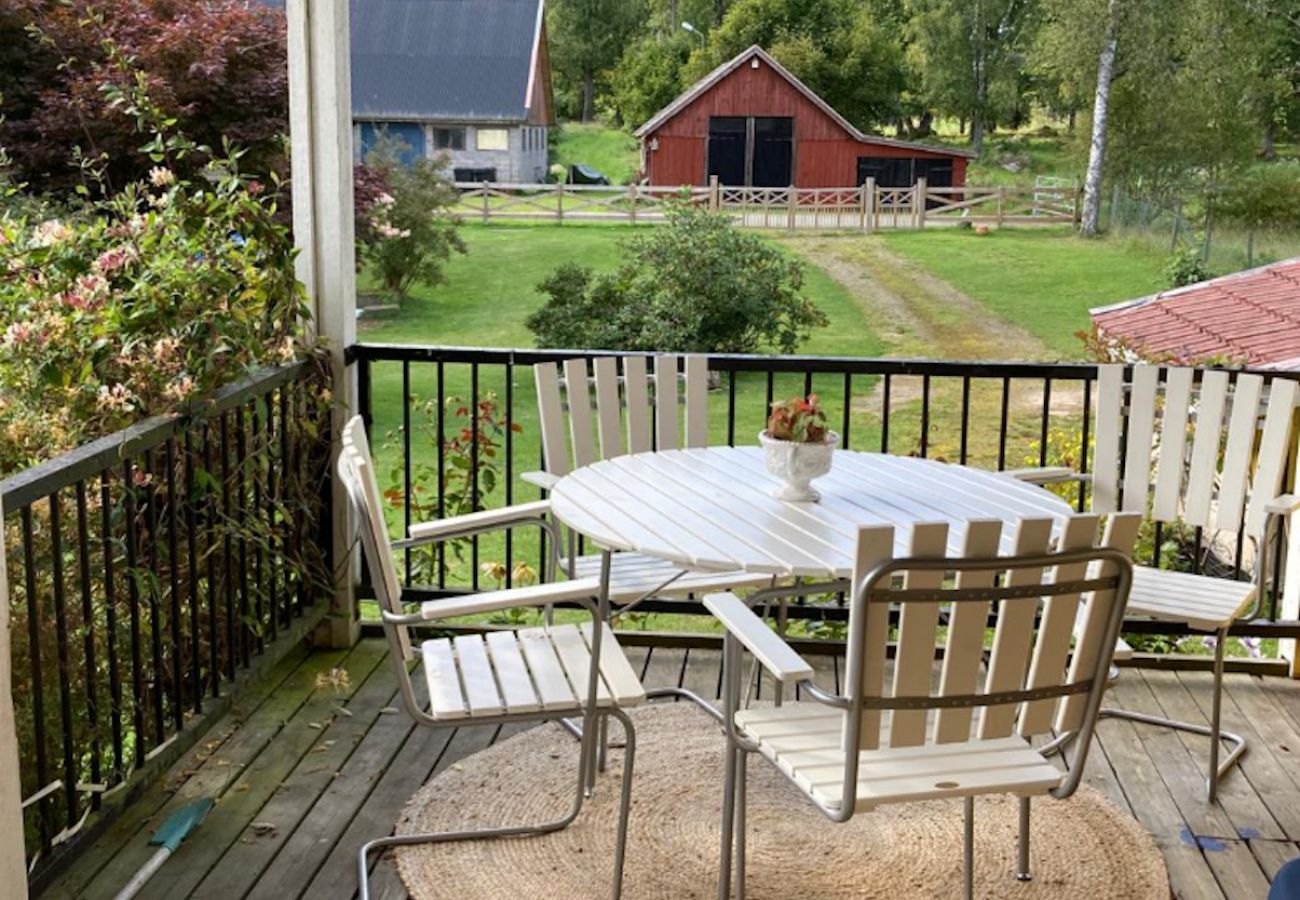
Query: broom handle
[[146, 872]]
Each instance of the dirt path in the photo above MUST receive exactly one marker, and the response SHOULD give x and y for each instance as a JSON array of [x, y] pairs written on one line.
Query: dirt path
[[921, 316], [914, 312]]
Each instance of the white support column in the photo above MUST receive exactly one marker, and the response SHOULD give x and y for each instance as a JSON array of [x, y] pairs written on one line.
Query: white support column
[[13, 851], [320, 126]]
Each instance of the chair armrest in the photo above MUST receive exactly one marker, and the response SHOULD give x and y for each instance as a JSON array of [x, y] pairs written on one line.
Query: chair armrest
[[1282, 505], [543, 480], [473, 523], [495, 601], [774, 654], [1047, 474]]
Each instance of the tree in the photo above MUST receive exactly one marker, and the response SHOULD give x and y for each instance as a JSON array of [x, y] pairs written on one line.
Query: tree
[[842, 49], [410, 232], [970, 55], [1100, 121], [587, 37], [648, 77], [695, 285], [217, 68]]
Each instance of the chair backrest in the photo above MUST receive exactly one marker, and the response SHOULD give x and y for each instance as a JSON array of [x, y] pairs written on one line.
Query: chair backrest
[[644, 403], [356, 470], [1035, 645], [1192, 448]]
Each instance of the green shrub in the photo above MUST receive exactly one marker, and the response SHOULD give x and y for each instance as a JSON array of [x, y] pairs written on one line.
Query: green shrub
[[698, 285]]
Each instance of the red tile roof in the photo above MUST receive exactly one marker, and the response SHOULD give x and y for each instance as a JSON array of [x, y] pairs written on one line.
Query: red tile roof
[[1251, 317]]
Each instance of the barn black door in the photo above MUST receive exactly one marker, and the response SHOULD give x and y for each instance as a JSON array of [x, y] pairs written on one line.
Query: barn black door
[[727, 148], [936, 172], [889, 171], [773, 152]]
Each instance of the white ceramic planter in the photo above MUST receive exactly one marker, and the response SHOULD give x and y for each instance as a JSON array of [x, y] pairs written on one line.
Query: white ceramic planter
[[797, 465]]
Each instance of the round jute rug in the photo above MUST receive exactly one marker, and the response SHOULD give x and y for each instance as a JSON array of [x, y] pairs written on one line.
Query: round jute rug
[[1082, 847]]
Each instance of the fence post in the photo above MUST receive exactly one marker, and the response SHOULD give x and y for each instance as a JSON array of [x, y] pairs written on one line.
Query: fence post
[[559, 201], [13, 850], [918, 202], [1002, 202], [485, 201], [791, 205], [715, 191], [631, 196], [1078, 210], [869, 205]]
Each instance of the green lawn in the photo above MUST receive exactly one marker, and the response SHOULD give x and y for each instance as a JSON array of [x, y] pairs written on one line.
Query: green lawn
[[1044, 280], [611, 150]]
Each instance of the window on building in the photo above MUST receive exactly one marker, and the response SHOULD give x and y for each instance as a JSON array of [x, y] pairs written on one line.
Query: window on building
[[405, 139], [492, 139], [475, 175], [449, 138]]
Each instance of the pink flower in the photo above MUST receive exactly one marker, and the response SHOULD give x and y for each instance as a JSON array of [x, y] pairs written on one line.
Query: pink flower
[[161, 177], [385, 199], [18, 334], [116, 258], [116, 398], [180, 389], [50, 232], [255, 187]]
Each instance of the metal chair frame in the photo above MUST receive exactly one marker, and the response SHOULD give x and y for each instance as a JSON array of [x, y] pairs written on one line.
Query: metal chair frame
[[394, 622], [874, 588]]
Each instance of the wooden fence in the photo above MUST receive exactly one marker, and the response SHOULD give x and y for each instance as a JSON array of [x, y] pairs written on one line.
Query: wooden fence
[[866, 208]]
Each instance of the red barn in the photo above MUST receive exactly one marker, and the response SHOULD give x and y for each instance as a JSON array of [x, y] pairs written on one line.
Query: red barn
[[750, 122]]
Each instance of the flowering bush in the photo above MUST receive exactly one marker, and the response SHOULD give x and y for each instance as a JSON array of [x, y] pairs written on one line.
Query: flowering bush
[[133, 304], [798, 419], [410, 231]]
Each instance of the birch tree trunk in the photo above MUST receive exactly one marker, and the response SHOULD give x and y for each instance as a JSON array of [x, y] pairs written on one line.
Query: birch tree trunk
[[13, 852], [1100, 117]]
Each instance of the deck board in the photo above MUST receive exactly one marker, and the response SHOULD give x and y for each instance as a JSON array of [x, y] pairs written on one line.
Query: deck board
[[328, 780]]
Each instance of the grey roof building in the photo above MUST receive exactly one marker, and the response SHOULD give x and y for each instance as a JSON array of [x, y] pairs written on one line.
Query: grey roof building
[[470, 78]]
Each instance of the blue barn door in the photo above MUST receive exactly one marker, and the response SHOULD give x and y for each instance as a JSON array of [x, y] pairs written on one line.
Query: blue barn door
[[409, 137]]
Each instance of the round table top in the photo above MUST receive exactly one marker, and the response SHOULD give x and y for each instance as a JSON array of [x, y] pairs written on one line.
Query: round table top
[[713, 509]]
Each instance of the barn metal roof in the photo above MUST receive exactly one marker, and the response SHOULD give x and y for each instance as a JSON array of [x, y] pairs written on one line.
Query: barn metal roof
[[457, 60], [1253, 317], [687, 97]]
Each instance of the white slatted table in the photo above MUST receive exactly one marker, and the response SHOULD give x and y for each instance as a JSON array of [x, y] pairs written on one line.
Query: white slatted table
[[713, 509]]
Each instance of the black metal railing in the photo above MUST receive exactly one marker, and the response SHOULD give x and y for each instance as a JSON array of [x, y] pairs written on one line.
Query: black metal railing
[[148, 570], [419, 401]]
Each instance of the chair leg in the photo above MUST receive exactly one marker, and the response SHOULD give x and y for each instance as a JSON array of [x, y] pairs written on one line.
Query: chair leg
[[968, 849], [742, 772], [480, 834], [1022, 846], [625, 799], [728, 822]]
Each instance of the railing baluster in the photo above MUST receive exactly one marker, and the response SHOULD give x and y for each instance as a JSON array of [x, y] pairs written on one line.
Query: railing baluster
[[1083, 447], [154, 584], [133, 609], [1002, 428], [406, 462], [173, 567], [442, 471], [37, 675], [286, 458], [965, 418], [1047, 414], [925, 416], [255, 462], [227, 547], [61, 649], [210, 527], [192, 551], [510, 471], [241, 518], [884, 414], [88, 635], [848, 410], [274, 562], [110, 624], [731, 408]]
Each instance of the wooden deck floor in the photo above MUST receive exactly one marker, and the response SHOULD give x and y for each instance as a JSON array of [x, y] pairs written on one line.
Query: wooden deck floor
[[317, 758]]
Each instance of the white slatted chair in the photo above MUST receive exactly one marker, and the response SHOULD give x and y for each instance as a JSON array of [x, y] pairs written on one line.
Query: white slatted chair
[[900, 740], [649, 402], [1193, 453], [530, 674]]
